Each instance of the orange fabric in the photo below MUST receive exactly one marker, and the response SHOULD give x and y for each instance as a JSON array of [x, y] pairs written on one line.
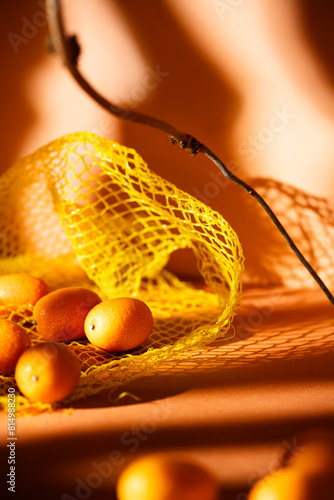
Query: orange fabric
[[235, 407]]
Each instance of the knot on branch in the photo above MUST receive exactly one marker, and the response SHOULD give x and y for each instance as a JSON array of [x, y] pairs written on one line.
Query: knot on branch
[[73, 49], [188, 143]]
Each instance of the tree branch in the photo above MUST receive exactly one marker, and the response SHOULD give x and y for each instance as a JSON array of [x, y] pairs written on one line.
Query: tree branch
[[68, 49]]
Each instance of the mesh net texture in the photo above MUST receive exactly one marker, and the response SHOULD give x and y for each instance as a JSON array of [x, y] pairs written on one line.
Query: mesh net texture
[[309, 220], [86, 211]]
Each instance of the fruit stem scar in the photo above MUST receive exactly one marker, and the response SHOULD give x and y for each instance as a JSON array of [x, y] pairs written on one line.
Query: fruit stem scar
[[34, 378], [92, 327]]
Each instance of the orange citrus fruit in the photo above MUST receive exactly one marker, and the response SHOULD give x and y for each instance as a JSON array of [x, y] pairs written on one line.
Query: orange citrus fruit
[[13, 341], [119, 324], [21, 289], [316, 459], [47, 372], [314, 453], [291, 483], [61, 314], [158, 477]]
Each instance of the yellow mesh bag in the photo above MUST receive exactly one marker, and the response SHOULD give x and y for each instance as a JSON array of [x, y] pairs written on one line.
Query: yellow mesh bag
[[85, 210]]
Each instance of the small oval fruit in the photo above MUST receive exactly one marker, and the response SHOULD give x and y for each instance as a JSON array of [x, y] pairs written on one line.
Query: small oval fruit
[[293, 484], [313, 453], [159, 477], [21, 289], [119, 324], [14, 340], [61, 314], [47, 372]]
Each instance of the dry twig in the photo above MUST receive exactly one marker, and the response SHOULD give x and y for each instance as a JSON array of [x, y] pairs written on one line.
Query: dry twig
[[68, 49]]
